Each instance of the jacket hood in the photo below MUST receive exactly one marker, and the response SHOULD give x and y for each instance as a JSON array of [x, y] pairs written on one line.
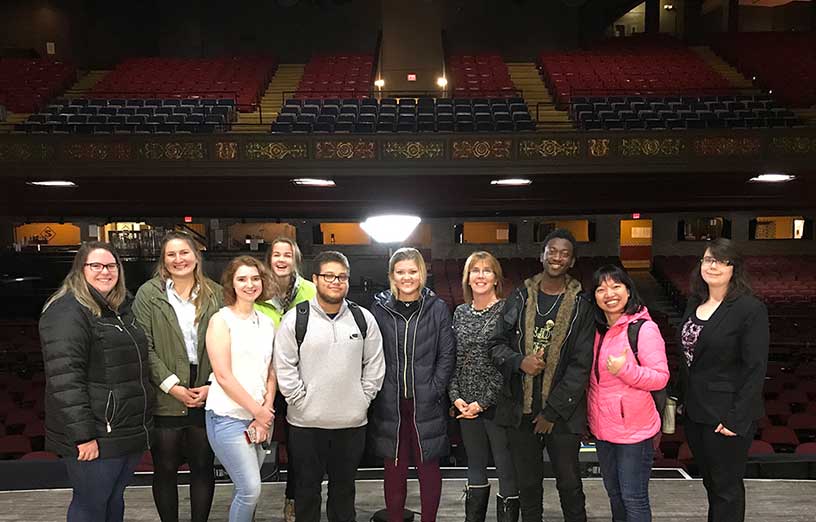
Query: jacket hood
[[624, 320], [386, 298]]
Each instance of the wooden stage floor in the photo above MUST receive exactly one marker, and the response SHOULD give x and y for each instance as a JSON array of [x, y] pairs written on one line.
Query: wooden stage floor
[[679, 500]]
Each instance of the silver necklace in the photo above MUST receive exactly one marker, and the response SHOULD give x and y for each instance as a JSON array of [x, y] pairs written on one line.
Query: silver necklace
[[545, 314], [483, 310]]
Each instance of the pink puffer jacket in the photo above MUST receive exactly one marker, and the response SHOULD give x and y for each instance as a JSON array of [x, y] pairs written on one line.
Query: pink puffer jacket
[[620, 407]]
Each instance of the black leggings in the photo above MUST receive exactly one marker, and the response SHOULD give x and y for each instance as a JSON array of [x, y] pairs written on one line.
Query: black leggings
[[171, 448]]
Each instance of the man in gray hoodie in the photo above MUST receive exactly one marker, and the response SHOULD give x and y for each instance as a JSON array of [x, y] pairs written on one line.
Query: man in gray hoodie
[[328, 382]]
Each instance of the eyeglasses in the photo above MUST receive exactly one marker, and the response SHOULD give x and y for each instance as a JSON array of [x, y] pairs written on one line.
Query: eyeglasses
[[487, 272], [711, 261], [97, 267], [331, 278]]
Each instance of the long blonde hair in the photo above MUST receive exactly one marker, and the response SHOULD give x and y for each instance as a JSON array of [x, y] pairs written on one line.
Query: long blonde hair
[[297, 258], [205, 290], [76, 284], [406, 254]]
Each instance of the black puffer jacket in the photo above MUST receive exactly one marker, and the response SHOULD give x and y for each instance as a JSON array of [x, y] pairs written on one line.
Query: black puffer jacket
[[97, 378], [566, 405], [434, 356]]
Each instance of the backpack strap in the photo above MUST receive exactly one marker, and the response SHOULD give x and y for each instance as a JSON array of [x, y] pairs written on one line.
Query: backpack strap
[[301, 323], [359, 318], [633, 330], [302, 320]]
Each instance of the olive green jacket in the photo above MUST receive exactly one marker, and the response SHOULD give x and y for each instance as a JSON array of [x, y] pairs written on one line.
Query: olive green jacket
[[167, 353], [304, 290]]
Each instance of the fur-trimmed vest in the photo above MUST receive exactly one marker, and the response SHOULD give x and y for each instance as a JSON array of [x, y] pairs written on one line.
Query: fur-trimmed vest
[[565, 380]]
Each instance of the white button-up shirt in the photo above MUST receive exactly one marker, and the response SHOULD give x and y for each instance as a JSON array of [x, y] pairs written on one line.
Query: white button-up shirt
[[186, 315]]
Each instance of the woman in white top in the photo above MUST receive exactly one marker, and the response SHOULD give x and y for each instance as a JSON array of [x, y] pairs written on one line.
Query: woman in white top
[[240, 403]]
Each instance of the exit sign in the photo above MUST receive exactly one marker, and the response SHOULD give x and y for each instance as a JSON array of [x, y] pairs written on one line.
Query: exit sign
[[636, 215], [411, 77]]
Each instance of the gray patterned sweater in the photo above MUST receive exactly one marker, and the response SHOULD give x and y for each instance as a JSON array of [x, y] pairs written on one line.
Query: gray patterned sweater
[[475, 377]]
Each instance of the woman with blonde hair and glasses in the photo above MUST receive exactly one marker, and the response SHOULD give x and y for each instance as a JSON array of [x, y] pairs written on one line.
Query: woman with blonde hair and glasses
[[476, 390], [174, 308], [240, 405], [98, 399], [410, 411]]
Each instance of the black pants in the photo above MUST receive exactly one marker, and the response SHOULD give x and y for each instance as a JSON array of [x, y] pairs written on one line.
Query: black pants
[[526, 448], [721, 461], [333, 452]]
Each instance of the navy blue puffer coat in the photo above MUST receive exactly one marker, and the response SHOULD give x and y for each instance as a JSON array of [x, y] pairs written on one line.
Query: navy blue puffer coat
[[433, 345]]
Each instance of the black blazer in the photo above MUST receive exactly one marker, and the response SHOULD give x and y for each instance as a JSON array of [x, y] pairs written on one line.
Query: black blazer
[[724, 383]]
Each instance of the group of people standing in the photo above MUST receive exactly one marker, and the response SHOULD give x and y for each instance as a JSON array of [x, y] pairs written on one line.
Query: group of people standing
[[192, 369]]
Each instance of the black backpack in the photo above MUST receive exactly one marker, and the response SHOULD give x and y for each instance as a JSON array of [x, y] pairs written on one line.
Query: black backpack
[[302, 320], [660, 396]]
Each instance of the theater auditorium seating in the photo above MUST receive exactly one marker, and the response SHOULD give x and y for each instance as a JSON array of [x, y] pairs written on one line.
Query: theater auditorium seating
[[241, 79], [636, 66], [784, 62], [424, 114], [337, 76], [27, 85], [128, 116], [480, 76], [633, 113]]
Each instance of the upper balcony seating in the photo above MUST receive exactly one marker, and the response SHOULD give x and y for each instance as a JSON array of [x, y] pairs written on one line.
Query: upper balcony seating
[[409, 115], [634, 66], [27, 85], [480, 76], [337, 76], [129, 116], [679, 112], [783, 62], [242, 80]]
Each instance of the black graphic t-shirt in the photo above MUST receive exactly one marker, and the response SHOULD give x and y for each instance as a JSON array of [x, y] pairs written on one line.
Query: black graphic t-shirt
[[546, 312], [689, 336]]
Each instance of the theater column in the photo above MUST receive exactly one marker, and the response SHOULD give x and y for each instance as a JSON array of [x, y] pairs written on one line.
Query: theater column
[[411, 44], [693, 21], [652, 16], [731, 16]]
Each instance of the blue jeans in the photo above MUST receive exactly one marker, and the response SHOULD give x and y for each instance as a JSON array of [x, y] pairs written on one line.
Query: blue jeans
[[99, 487], [241, 460], [626, 469]]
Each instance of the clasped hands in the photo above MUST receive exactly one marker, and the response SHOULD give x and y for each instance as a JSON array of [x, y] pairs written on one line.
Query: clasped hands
[[467, 411], [264, 417], [190, 397]]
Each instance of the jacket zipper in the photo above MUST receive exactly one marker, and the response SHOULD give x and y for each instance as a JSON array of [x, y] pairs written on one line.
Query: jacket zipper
[[141, 380], [405, 372], [109, 420]]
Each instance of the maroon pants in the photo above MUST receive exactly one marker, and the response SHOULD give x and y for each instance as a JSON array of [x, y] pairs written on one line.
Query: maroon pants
[[396, 471]]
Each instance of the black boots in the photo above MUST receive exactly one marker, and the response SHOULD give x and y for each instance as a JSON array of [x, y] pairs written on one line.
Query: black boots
[[476, 503], [507, 509]]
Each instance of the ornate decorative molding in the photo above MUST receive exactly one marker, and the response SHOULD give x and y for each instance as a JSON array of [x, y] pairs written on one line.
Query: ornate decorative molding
[[189, 150], [598, 148], [346, 150], [727, 146], [26, 151], [793, 145], [275, 150], [482, 149], [226, 150], [97, 151], [534, 148], [413, 150], [651, 147]]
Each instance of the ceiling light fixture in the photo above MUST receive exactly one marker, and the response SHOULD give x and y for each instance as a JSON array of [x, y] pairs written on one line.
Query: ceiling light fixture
[[314, 182], [511, 182], [391, 228], [52, 183], [772, 178]]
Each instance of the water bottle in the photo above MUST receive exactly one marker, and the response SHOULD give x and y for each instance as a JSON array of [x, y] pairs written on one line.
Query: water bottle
[[669, 414]]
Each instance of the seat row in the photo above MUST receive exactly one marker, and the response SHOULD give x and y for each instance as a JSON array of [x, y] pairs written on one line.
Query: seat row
[[26, 85], [480, 75], [404, 115], [336, 75]]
